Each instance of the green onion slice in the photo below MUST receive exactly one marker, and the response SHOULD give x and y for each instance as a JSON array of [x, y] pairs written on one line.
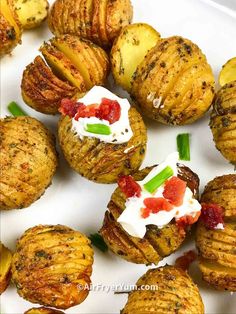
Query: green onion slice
[[98, 129], [98, 241], [15, 109], [159, 179], [183, 146]]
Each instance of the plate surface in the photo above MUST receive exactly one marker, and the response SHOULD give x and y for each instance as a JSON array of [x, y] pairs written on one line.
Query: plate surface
[[76, 202]]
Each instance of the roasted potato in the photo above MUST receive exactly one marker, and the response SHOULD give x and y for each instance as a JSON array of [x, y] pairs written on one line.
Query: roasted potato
[[10, 27], [52, 266], [97, 20], [228, 72], [174, 84], [31, 13], [157, 243], [223, 121], [43, 310], [217, 247], [129, 50], [164, 290], [99, 161], [74, 66], [5, 267], [28, 161]]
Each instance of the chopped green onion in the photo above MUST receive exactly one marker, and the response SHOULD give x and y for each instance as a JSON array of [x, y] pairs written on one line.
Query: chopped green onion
[[159, 179], [15, 109], [183, 146], [98, 129], [98, 241]]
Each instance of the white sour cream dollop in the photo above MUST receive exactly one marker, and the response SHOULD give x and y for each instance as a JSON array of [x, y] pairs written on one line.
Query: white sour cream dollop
[[120, 130], [131, 219]]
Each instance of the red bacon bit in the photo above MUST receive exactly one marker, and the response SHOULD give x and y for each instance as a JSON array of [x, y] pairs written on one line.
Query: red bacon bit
[[211, 215], [86, 111], [185, 221], [157, 204], [129, 186], [69, 107], [186, 259], [145, 212], [174, 191], [109, 110]]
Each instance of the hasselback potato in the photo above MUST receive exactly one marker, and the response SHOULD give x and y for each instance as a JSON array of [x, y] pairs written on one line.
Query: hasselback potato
[[31, 13], [43, 310], [174, 84], [5, 267], [217, 246], [28, 161], [157, 243], [52, 266], [97, 20], [74, 65], [164, 290], [223, 121], [100, 161], [10, 27]]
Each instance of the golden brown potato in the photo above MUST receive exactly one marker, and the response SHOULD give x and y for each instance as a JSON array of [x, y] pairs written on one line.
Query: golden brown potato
[[42, 90], [52, 266], [28, 161], [164, 290], [217, 247], [10, 27], [31, 13], [174, 83], [42, 310], [97, 20], [5, 267], [157, 243], [223, 121], [228, 72], [99, 161], [74, 66], [129, 50]]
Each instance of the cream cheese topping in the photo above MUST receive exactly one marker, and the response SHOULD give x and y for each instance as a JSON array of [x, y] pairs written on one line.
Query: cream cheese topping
[[120, 130], [131, 219]]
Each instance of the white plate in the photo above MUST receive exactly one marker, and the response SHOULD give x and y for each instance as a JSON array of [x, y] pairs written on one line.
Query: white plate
[[76, 202]]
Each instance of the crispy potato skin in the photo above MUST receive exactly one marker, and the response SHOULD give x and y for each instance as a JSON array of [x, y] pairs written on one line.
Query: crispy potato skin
[[97, 20], [223, 121], [217, 247], [174, 84], [28, 161], [31, 13], [175, 293], [157, 243], [74, 65], [10, 27], [99, 161], [43, 310], [42, 90], [5, 267], [52, 266]]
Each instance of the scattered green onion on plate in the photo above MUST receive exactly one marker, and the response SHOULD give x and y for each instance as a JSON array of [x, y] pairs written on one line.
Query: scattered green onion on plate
[[158, 180], [15, 109], [98, 241], [183, 146], [98, 128]]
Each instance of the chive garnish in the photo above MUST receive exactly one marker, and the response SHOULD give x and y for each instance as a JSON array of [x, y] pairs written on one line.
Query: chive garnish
[[159, 179], [183, 146], [98, 241], [98, 129], [15, 109]]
